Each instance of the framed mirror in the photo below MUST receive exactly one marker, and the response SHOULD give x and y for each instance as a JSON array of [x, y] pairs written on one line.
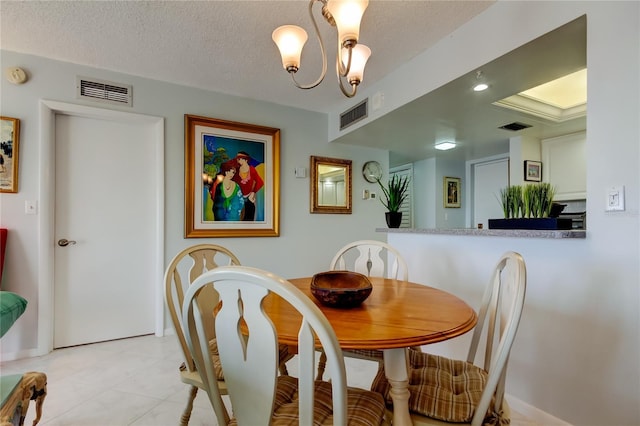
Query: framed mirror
[[330, 185]]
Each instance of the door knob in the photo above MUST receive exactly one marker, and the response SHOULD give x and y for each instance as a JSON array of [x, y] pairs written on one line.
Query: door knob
[[64, 242]]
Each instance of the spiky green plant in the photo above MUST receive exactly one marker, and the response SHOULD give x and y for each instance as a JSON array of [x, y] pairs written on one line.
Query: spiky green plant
[[504, 201], [395, 192], [529, 196], [515, 200], [546, 193]]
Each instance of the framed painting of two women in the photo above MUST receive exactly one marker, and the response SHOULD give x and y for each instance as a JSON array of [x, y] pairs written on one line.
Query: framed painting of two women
[[232, 179]]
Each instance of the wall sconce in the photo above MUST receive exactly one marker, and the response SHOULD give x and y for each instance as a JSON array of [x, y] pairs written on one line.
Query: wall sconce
[[351, 58]]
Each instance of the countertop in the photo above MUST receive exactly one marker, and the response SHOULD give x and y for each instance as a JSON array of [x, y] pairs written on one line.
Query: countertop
[[516, 233]]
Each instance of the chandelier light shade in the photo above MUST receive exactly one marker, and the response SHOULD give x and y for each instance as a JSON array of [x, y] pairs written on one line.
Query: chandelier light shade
[[290, 39], [347, 15], [359, 57], [351, 57]]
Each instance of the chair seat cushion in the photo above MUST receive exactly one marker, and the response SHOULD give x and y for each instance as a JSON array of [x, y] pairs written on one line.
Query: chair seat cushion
[[440, 387], [283, 353], [364, 408], [373, 354]]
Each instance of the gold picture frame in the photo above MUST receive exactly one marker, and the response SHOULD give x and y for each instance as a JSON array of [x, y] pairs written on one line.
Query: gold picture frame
[[330, 185], [9, 154], [232, 179], [451, 192]]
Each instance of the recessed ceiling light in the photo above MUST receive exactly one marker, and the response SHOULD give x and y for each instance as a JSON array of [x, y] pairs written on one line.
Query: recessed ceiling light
[[481, 84], [480, 87], [443, 146]]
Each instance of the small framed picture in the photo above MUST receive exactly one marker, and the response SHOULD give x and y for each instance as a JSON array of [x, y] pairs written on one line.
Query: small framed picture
[[451, 192], [532, 171], [9, 150]]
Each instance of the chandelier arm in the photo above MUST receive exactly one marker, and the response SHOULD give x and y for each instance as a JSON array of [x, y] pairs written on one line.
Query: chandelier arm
[[324, 56], [354, 86], [340, 68]]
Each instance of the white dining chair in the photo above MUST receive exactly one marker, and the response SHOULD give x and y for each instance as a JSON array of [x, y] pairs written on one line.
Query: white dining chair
[[371, 258], [445, 390], [248, 351], [374, 259], [185, 267]]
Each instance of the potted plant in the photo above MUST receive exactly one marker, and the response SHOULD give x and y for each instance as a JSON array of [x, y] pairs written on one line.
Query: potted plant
[[528, 207], [395, 192]]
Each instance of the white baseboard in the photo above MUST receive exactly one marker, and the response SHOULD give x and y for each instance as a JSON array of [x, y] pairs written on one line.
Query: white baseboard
[[12, 356], [534, 414]]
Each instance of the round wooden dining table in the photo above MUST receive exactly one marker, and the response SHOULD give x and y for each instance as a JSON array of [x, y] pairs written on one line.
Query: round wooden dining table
[[397, 315]]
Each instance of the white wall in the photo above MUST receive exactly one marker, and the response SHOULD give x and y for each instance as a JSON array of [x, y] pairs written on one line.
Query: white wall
[[577, 353], [429, 210], [306, 244], [424, 194], [522, 148], [450, 217]]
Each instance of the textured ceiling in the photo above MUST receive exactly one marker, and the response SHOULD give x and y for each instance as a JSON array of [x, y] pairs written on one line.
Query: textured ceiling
[[224, 46]]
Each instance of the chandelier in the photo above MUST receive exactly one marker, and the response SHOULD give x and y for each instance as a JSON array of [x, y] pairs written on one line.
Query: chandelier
[[351, 58]]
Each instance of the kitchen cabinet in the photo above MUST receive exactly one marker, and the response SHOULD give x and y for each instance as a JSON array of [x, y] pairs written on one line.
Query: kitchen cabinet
[[564, 165]]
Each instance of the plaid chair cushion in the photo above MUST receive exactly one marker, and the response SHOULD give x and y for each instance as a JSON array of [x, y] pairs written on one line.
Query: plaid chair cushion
[[364, 408], [213, 349], [441, 388], [368, 353]]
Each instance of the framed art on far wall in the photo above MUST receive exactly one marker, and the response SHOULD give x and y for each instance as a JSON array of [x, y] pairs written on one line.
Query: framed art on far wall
[[532, 171], [232, 179], [451, 192], [9, 153]]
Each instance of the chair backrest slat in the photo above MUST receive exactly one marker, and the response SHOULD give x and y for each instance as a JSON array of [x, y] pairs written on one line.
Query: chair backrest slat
[[372, 258]]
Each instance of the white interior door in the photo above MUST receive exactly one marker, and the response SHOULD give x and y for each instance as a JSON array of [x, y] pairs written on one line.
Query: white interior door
[[104, 202], [488, 179]]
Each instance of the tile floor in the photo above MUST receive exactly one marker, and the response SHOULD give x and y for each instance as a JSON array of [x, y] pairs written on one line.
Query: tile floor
[[133, 382]]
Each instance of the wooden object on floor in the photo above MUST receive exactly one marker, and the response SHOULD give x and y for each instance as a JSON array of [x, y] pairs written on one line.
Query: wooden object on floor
[[17, 391], [398, 314]]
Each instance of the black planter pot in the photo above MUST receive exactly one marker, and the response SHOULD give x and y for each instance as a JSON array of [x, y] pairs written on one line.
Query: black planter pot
[[394, 219], [552, 223]]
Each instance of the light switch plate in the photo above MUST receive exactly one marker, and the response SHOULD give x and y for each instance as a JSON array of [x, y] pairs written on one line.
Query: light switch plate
[[615, 198], [301, 172], [30, 207]]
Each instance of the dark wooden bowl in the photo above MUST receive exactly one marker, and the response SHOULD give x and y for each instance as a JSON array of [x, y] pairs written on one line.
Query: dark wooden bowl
[[340, 289]]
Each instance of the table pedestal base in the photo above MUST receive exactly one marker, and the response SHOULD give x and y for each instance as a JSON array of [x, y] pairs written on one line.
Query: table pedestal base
[[395, 367]]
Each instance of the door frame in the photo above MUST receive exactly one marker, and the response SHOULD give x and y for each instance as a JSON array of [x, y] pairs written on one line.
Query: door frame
[[470, 187], [46, 237]]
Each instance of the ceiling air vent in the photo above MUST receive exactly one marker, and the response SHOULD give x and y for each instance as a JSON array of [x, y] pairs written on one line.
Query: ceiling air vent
[[515, 126], [104, 91], [354, 114]]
